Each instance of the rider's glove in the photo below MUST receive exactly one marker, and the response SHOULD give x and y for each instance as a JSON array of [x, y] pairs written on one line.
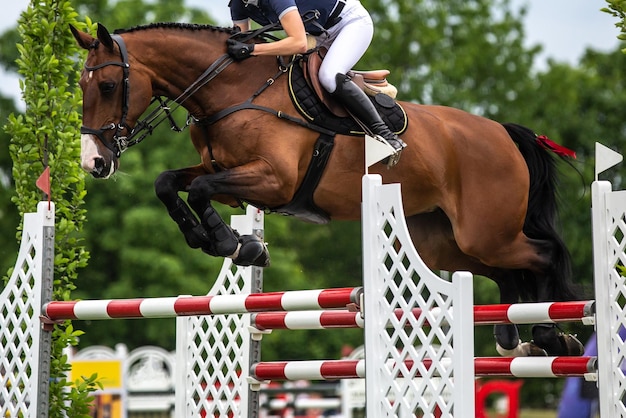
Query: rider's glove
[[239, 50]]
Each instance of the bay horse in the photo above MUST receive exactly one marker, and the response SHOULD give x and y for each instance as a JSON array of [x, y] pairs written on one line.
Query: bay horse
[[478, 195]]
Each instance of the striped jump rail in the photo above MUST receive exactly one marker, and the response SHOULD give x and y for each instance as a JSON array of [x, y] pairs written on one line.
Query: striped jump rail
[[518, 313], [522, 367], [303, 403], [169, 307]]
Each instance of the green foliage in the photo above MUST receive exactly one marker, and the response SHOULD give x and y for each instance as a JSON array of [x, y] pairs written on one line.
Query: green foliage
[[8, 53], [457, 53], [9, 216], [617, 8], [46, 136], [128, 13], [69, 399]]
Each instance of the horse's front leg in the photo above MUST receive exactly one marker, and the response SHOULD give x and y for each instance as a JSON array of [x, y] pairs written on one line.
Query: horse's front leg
[[167, 186], [245, 250]]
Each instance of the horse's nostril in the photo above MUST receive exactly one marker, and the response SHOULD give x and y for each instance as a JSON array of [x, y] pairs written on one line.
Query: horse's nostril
[[98, 165]]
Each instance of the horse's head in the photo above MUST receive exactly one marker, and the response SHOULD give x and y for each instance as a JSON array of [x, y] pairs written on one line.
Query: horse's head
[[110, 107]]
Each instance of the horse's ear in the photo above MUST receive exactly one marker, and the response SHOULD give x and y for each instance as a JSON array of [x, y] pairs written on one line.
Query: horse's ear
[[84, 40], [105, 37]]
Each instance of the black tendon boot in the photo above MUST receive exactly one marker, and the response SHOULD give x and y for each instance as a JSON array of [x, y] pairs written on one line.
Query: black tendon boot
[[359, 105]]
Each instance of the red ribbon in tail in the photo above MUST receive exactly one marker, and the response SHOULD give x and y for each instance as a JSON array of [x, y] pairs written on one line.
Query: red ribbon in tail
[[559, 150]]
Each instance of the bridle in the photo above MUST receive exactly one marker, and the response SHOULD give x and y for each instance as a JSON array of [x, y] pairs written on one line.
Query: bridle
[[146, 126], [163, 111], [120, 142]]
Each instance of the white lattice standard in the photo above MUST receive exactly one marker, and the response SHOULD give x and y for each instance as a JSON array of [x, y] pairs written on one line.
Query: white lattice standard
[[395, 278], [23, 393], [609, 234], [214, 352]]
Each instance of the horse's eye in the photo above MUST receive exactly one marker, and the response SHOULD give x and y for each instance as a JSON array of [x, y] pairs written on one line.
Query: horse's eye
[[107, 87]]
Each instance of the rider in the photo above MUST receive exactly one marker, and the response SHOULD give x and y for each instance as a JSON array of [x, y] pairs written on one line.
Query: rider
[[344, 27]]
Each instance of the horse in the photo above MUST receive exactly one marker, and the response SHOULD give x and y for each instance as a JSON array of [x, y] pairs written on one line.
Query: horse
[[478, 195]]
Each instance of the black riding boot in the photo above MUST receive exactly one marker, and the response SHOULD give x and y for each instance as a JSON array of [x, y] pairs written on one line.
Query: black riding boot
[[359, 105]]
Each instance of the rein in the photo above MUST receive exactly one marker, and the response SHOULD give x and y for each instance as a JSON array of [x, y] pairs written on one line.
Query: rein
[[248, 105], [164, 110], [146, 126]]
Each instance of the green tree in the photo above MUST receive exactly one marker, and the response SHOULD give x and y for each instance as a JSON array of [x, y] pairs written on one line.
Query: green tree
[[45, 136], [9, 216], [457, 53], [617, 8]]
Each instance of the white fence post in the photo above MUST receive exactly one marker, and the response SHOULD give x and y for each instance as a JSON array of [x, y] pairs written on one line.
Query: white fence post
[[25, 346], [609, 240], [396, 279]]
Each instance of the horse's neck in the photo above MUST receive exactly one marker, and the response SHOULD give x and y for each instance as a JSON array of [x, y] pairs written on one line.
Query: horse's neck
[[179, 64]]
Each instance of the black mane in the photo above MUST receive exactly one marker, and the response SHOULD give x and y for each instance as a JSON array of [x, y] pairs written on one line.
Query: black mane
[[175, 25]]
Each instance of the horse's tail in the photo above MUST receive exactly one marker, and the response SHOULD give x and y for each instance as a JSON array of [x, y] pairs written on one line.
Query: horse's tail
[[541, 219]]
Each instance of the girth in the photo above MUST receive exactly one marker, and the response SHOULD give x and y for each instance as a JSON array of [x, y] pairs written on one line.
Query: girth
[[302, 204]]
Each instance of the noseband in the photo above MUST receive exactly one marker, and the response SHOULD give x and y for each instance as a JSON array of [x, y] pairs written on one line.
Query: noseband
[[121, 143]]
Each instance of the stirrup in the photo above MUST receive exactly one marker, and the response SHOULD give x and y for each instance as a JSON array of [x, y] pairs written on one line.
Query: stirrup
[[394, 158]]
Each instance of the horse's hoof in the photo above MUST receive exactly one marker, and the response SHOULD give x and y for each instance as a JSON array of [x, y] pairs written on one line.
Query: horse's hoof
[[252, 252], [521, 350], [556, 343], [508, 352], [573, 347], [533, 350]]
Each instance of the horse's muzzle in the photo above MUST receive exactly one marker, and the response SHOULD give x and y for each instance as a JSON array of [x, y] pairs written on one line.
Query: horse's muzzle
[[99, 170], [93, 158]]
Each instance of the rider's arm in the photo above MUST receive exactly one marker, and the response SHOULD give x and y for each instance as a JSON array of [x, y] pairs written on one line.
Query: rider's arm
[[244, 25], [294, 43]]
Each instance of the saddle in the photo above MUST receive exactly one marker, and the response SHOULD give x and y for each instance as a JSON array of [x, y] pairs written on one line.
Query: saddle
[[314, 104], [320, 108]]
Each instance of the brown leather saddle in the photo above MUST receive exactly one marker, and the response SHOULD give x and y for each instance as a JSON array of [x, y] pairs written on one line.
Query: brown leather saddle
[[371, 82], [314, 104], [319, 107]]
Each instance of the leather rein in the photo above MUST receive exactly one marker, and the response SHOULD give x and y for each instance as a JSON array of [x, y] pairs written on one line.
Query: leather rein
[[146, 126], [164, 110]]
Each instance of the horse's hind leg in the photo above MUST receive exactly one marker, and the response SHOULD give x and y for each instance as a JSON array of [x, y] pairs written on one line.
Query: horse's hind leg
[[533, 274], [547, 338], [433, 238], [508, 342]]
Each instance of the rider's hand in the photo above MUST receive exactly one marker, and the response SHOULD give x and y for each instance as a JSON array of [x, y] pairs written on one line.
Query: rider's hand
[[238, 50]]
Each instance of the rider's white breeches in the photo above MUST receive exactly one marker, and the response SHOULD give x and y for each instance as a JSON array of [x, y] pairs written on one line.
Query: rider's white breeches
[[347, 42]]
